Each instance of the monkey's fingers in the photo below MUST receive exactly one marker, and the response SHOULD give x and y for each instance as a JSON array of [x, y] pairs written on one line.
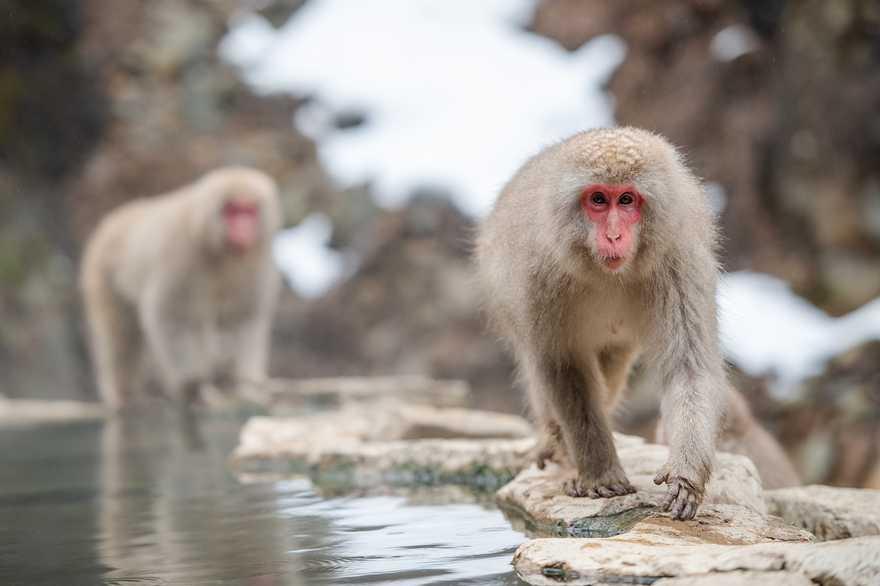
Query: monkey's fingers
[[681, 500], [543, 456], [671, 495], [661, 477]]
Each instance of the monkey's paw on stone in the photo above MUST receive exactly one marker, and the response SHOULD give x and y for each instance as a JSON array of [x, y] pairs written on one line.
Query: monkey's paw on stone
[[543, 455], [549, 452], [682, 500], [538, 497], [612, 483]]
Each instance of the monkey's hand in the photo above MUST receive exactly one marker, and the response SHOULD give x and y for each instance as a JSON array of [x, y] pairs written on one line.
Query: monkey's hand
[[549, 449], [682, 497], [612, 483], [544, 453]]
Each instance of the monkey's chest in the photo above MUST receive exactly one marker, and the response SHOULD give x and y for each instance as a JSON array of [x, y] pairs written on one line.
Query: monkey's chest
[[600, 322]]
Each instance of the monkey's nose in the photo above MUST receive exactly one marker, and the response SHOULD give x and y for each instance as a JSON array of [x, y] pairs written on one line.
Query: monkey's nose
[[613, 237]]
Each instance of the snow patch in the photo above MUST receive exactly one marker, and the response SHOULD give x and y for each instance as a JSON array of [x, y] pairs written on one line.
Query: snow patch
[[309, 265], [732, 42], [455, 93], [717, 197], [767, 330]]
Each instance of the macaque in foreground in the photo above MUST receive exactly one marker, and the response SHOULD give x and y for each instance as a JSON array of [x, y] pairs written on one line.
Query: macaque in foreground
[[601, 250], [183, 284]]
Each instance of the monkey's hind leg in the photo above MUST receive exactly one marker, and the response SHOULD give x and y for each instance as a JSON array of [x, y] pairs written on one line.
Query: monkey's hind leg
[[576, 398], [550, 446], [116, 343]]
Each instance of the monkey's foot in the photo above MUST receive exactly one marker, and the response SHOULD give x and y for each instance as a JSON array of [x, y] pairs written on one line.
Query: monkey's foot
[[612, 483], [682, 499]]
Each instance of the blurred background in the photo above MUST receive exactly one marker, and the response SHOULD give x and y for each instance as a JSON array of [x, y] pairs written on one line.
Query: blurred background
[[391, 125]]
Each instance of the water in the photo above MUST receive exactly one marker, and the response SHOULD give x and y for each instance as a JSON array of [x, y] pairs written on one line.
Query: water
[[153, 501]]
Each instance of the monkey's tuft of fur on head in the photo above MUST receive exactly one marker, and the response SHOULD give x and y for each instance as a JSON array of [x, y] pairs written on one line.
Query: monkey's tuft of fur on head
[[614, 154]]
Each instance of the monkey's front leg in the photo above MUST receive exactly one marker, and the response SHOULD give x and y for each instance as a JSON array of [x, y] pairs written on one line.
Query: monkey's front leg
[[689, 416], [576, 399]]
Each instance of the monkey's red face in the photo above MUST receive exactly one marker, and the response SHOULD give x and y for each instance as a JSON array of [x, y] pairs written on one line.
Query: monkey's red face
[[242, 221], [615, 212]]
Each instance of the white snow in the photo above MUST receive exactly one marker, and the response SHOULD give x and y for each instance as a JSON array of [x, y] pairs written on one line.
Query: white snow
[[309, 265], [732, 42], [717, 197], [456, 94], [767, 330]]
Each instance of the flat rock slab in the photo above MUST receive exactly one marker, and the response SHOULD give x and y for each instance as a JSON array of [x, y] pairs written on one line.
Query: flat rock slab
[[828, 512], [537, 497], [286, 396], [385, 421], [397, 445], [629, 559], [35, 411], [739, 579]]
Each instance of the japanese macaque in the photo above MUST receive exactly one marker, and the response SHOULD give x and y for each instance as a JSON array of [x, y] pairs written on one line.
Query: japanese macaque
[[183, 285], [599, 251]]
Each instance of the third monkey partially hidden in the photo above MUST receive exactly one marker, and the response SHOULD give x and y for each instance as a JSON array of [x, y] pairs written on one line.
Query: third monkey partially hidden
[[599, 251]]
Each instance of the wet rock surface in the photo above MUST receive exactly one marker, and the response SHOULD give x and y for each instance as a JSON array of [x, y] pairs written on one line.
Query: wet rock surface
[[828, 512], [392, 444], [537, 496]]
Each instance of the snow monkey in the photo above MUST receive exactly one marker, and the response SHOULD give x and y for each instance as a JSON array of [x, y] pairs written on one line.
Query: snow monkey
[[601, 249], [183, 284]]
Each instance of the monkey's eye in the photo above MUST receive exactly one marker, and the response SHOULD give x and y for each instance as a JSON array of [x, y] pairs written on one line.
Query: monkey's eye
[[598, 198], [626, 199]]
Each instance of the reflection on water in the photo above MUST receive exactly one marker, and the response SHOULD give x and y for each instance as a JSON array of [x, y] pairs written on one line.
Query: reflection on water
[[152, 501]]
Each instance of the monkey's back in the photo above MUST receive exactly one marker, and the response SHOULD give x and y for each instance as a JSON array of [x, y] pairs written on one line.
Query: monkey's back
[[132, 240]]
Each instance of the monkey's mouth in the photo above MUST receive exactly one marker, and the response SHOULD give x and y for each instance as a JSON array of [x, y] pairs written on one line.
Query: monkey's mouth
[[614, 262]]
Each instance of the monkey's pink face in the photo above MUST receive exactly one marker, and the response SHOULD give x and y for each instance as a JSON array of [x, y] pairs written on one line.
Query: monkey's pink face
[[614, 212], [242, 221]]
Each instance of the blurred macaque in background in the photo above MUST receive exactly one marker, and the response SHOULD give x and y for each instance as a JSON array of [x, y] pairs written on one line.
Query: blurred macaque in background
[[183, 287]]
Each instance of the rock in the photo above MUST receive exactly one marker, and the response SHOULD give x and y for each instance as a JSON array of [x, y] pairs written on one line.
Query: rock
[[630, 559], [357, 447], [828, 512], [739, 579], [537, 495], [287, 394], [35, 411]]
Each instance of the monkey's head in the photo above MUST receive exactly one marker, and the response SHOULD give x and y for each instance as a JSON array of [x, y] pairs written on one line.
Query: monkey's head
[[242, 209], [624, 197], [612, 213]]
